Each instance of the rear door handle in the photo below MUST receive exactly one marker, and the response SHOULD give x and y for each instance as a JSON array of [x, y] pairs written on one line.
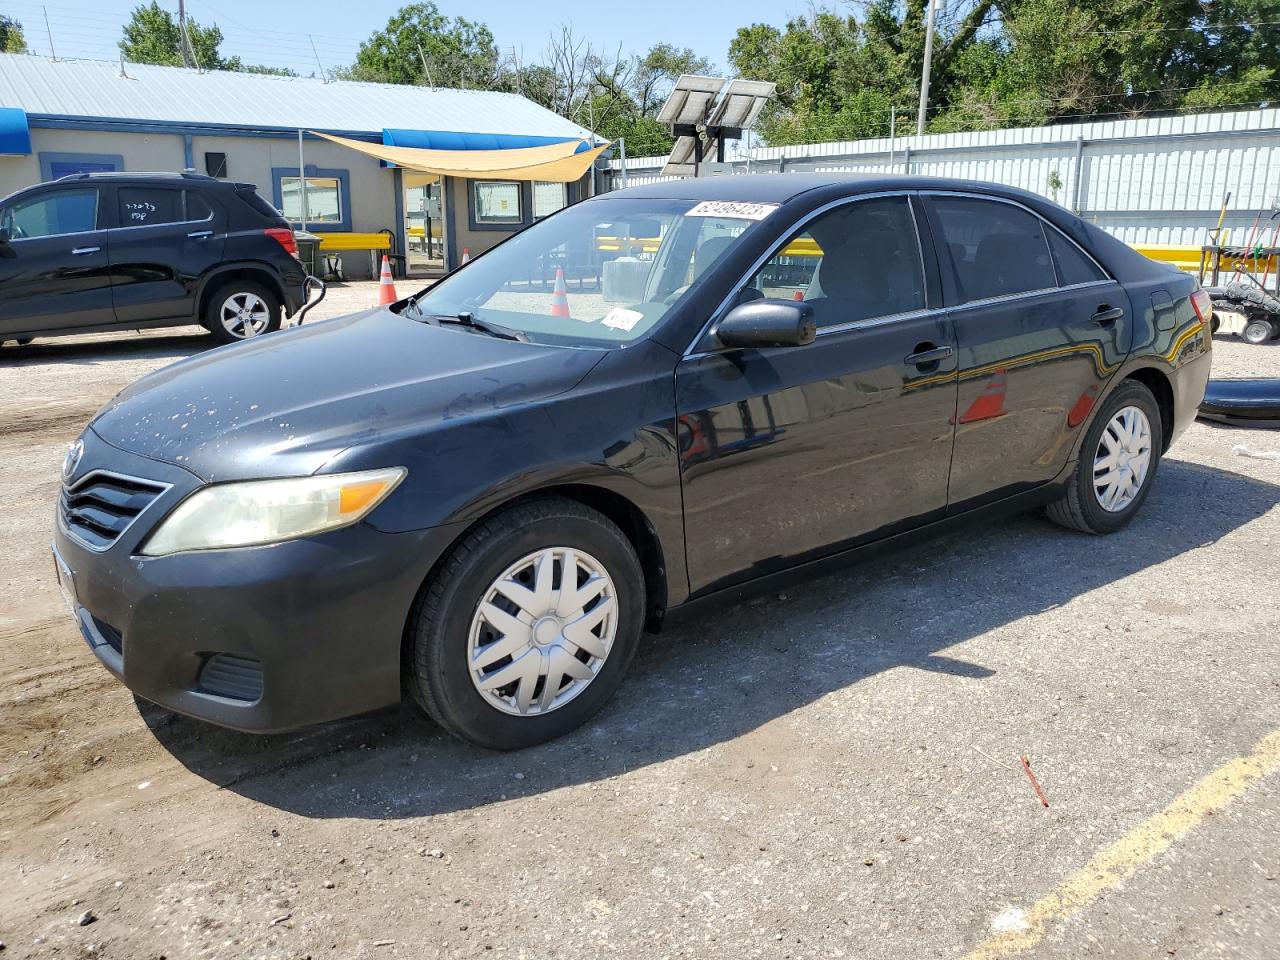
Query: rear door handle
[[1107, 315], [200, 234], [922, 358], [82, 251]]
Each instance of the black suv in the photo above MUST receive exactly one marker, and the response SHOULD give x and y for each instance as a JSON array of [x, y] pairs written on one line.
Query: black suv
[[120, 251]]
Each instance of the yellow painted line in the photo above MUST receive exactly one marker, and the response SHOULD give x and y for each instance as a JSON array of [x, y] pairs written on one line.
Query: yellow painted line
[[1116, 863]]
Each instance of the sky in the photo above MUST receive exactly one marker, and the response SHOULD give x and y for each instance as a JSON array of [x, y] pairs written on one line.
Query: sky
[[285, 36]]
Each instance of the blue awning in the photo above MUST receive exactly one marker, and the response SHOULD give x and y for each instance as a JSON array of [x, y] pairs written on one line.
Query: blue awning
[[452, 140], [15, 137]]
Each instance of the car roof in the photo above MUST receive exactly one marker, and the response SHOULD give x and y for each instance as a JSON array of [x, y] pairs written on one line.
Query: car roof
[[781, 187]]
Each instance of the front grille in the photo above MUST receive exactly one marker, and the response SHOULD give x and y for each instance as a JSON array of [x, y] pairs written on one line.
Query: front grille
[[228, 675], [101, 506]]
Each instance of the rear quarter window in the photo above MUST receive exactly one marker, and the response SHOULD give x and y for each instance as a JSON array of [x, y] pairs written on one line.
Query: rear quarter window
[[259, 204], [1073, 265]]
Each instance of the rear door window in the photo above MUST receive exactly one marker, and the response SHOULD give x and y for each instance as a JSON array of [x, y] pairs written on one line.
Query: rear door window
[[148, 206], [52, 214], [996, 249]]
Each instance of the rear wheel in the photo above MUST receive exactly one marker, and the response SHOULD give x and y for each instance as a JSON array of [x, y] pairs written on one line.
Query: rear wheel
[[529, 626], [241, 310], [1118, 462]]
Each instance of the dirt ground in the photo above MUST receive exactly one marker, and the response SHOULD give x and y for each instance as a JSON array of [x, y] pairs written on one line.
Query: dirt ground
[[826, 772]]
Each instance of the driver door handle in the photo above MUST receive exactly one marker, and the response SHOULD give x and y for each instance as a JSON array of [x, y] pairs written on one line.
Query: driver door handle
[[82, 251], [200, 234], [928, 355]]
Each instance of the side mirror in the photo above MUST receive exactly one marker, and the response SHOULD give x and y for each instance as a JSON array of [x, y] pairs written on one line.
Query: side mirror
[[768, 323]]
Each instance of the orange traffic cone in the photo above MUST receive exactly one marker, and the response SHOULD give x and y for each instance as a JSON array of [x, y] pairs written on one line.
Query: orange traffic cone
[[560, 296], [990, 403], [386, 289], [466, 254]]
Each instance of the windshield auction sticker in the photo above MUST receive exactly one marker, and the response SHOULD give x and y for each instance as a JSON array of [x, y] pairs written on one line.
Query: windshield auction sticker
[[621, 319], [732, 208]]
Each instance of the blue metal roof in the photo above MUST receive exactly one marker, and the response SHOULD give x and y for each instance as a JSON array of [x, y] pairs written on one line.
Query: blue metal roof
[[144, 93], [15, 138]]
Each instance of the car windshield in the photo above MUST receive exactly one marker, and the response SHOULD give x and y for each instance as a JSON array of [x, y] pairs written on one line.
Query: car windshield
[[601, 273]]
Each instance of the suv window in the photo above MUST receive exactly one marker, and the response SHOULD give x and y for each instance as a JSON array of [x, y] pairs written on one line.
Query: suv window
[[147, 206], [854, 262], [997, 249], [197, 207], [67, 211], [1073, 266]]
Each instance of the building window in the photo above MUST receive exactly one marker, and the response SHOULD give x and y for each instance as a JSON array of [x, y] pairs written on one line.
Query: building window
[[56, 165], [548, 198], [497, 201], [324, 199]]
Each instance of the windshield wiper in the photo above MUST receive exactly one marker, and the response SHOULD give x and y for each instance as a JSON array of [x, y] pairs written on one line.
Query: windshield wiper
[[473, 322]]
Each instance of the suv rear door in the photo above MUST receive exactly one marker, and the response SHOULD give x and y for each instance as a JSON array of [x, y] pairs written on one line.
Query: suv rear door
[[163, 240], [1040, 327], [53, 269]]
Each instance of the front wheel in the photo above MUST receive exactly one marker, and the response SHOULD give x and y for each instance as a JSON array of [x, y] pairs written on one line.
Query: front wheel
[[241, 310], [529, 626], [1118, 462]]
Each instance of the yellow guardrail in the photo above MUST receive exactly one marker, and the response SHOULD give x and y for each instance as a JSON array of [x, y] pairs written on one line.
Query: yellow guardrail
[[802, 247], [1188, 258], [335, 242]]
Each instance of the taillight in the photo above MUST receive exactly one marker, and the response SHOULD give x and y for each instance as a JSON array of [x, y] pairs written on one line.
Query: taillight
[[283, 236], [1203, 306]]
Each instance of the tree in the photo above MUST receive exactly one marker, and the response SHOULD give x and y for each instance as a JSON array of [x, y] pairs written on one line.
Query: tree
[[153, 35], [421, 45], [11, 37]]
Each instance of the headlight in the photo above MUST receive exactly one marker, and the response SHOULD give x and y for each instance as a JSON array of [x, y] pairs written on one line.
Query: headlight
[[267, 511]]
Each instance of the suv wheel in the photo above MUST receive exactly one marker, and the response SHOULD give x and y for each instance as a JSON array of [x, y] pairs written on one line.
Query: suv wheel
[[242, 310], [1117, 465], [529, 626]]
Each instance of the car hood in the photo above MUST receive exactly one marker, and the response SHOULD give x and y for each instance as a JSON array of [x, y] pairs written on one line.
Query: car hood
[[284, 404]]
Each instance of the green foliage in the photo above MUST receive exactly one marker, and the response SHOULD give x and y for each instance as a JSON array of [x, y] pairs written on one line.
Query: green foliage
[[1008, 63], [152, 35], [11, 38], [419, 44]]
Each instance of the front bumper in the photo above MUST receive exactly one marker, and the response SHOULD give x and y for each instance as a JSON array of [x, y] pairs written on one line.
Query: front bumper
[[320, 621]]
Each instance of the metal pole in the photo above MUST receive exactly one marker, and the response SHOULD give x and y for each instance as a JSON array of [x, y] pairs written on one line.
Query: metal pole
[[622, 156], [924, 76], [53, 54], [302, 183], [893, 134], [182, 33]]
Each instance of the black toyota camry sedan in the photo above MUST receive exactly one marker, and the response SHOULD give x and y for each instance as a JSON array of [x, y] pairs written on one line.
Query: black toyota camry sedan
[[482, 494]]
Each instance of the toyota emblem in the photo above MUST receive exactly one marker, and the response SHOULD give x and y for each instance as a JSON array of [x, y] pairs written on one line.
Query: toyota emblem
[[72, 460]]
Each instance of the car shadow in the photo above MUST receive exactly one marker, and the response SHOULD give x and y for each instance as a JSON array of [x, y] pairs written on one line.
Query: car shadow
[[725, 674], [117, 346]]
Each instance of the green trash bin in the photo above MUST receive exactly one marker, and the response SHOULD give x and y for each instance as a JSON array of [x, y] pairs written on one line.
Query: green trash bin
[[308, 251]]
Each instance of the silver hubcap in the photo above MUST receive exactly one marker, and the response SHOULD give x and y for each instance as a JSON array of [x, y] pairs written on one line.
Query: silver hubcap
[[244, 315], [1124, 456], [542, 631]]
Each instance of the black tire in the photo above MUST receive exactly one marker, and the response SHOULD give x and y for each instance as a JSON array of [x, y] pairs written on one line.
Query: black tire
[[1258, 330], [1251, 293], [1078, 508], [439, 676], [213, 307]]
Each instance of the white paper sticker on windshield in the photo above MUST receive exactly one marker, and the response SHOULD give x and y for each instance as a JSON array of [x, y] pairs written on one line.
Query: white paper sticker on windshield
[[732, 208], [622, 319]]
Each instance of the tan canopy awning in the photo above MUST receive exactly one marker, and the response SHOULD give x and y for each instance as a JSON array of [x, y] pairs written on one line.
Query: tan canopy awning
[[554, 162]]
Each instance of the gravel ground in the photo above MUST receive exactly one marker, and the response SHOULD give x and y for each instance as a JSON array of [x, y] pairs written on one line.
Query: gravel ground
[[826, 772]]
